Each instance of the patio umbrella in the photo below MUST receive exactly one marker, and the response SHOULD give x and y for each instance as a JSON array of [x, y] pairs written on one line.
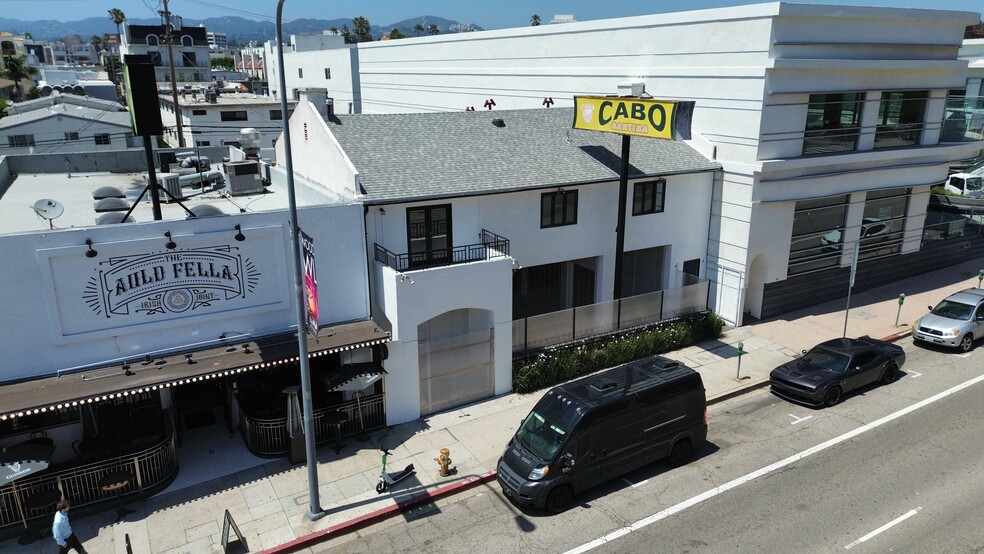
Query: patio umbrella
[[19, 461]]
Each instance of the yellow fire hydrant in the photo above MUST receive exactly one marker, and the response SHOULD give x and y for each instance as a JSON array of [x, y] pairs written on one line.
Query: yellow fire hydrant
[[444, 460]]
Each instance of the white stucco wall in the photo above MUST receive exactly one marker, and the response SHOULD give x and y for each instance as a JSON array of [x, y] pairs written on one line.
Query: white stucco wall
[[59, 326], [49, 134]]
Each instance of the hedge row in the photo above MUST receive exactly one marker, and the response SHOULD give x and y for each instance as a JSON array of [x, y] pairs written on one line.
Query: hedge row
[[565, 363]]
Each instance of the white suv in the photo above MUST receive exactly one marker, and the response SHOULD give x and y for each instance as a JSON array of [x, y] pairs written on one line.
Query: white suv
[[956, 321]]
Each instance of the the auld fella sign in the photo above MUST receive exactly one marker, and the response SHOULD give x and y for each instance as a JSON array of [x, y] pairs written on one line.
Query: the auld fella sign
[[641, 117]]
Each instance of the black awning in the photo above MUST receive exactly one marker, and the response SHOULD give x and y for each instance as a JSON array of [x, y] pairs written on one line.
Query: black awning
[[354, 376]]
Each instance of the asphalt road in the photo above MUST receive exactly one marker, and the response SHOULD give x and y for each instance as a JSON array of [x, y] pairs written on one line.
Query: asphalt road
[[894, 468]]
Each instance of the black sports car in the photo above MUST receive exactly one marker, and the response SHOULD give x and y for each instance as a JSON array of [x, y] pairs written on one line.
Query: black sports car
[[832, 368]]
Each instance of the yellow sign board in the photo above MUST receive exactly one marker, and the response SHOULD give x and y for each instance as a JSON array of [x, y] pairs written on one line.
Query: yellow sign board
[[641, 117]]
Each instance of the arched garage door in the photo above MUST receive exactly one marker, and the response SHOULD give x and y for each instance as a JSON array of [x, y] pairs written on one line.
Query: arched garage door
[[456, 360]]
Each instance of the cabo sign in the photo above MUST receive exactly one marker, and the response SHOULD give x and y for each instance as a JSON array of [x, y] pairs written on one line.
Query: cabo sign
[[641, 117]]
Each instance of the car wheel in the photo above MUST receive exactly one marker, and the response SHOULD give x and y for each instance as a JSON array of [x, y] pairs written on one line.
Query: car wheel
[[966, 343], [890, 375], [560, 498], [682, 452], [832, 397]]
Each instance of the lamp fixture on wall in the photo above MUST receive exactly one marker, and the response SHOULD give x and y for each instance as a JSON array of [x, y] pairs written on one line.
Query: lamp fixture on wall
[[239, 235], [170, 244], [382, 211], [90, 253]]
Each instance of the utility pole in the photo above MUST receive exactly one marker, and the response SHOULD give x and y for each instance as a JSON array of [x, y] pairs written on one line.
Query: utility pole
[[174, 83]]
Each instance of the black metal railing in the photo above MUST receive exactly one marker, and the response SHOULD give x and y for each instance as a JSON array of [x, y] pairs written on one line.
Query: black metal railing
[[492, 246], [269, 436], [149, 468]]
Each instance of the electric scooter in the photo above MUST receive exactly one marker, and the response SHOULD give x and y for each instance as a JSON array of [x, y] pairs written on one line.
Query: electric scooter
[[387, 479]]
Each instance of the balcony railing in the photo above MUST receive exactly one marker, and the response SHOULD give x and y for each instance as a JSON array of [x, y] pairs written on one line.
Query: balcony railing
[[492, 246], [269, 437]]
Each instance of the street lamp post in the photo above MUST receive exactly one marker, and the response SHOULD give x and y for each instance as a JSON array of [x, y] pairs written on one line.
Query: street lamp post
[[314, 511]]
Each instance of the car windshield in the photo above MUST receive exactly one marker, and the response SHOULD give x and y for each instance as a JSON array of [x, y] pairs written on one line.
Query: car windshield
[[826, 359], [540, 436], [953, 310]]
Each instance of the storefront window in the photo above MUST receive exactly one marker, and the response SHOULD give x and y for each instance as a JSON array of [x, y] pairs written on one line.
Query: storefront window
[[883, 223], [818, 226]]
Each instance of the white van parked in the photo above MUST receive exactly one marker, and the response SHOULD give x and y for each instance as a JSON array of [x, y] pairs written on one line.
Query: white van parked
[[965, 184]]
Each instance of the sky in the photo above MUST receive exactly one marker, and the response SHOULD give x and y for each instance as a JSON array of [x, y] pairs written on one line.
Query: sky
[[489, 14]]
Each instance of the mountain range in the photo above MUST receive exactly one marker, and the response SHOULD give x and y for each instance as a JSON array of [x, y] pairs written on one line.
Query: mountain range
[[237, 29]]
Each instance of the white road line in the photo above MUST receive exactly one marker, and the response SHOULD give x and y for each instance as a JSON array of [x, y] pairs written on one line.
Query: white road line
[[769, 468], [799, 419], [634, 485], [915, 374], [892, 523]]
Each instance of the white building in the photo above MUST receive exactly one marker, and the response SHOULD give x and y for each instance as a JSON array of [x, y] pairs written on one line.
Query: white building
[[66, 123], [189, 47], [216, 40], [821, 116], [210, 119], [319, 61], [477, 220]]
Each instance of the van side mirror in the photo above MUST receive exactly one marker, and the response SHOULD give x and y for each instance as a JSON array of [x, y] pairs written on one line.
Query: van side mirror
[[567, 459]]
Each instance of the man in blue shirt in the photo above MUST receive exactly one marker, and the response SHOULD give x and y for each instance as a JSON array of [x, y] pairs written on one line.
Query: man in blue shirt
[[62, 530]]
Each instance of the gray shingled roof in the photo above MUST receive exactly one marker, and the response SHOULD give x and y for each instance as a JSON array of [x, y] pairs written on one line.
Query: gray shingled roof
[[404, 157], [81, 114]]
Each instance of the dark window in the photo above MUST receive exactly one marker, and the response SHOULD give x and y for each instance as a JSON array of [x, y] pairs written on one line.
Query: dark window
[[20, 141], [300, 73], [883, 222], [238, 115], [101, 138], [832, 123], [187, 41], [818, 228], [152, 40], [188, 59], [71, 136], [327, 73], [558, 208], [275, 115], [648, 197], [429, 235], [198, 112], [553, 287], [203, 142], [900, 118]]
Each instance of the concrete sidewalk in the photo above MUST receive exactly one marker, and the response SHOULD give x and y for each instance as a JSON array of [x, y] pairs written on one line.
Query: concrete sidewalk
[[269, 503]]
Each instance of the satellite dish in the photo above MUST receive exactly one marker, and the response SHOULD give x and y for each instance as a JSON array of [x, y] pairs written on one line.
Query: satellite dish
[[48, 209]]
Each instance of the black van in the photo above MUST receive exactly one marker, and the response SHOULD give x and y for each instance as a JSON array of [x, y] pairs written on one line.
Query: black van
[[601, 426]]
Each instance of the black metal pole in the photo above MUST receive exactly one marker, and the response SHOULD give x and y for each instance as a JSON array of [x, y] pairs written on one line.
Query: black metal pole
[[314, 511], [152, 178], [623, 193]]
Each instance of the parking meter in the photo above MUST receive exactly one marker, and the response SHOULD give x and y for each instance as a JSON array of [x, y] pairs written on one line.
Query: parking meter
[[741, 351], [980, 277], [902, 301]]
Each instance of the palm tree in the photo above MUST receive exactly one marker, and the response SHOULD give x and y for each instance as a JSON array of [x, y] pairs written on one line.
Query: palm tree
[[418, 28], [333, 30], [17, 70], [535, 20], [118, 18], [432, 29]]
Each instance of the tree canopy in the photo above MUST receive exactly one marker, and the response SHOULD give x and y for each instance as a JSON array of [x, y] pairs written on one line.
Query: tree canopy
[[16, 69]]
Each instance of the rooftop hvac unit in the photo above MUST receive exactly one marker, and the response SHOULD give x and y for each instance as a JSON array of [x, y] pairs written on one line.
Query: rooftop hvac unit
[[169, 182], [244, 177]]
